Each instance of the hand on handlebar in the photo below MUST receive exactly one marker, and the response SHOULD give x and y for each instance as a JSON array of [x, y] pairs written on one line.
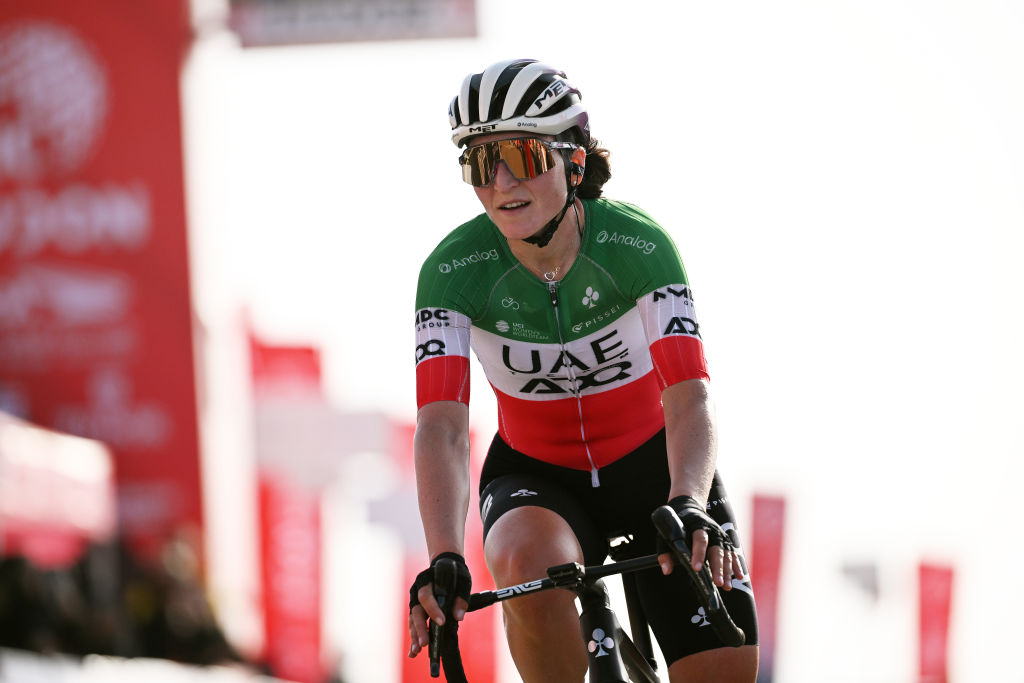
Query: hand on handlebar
[[707, 541], [423, 604], [429, 609]]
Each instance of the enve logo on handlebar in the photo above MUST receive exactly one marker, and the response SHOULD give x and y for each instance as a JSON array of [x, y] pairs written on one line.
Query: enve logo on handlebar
[[520, 589]]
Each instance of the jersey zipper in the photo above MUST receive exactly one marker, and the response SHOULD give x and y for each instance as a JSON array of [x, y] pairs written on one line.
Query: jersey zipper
[[573, 383]]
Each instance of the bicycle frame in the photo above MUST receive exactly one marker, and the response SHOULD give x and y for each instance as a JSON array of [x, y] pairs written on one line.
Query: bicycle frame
[[612, 656]]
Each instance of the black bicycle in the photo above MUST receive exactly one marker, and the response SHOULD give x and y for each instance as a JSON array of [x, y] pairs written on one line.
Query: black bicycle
[[614, 656]]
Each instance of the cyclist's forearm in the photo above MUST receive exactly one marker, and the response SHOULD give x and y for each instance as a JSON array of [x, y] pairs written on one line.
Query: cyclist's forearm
[[691, 436], [442, 476]]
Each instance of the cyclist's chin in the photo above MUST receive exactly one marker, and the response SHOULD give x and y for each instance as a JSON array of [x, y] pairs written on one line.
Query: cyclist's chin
[[517, 227]]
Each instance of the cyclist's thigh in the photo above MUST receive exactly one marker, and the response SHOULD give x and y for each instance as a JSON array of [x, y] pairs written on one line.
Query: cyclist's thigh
[[527, 531], [531, 512]]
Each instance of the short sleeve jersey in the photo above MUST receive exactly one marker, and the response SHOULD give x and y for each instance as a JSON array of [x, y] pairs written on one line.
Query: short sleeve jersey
[[577, 365]]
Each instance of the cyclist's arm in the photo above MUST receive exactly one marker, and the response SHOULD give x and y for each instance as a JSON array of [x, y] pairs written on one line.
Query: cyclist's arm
[[677, 352], [691, 435], [692, 453], [441, 447]]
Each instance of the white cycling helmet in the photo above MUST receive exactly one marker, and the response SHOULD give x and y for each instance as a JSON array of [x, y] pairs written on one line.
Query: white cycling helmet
[[518, 94]]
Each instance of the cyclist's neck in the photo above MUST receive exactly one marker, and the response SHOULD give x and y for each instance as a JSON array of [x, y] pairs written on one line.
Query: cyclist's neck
[[551, 262]]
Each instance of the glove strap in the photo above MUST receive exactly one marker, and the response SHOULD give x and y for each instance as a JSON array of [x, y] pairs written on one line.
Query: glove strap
[[459, 559], [695, 516], [426, 577], [680, 502]]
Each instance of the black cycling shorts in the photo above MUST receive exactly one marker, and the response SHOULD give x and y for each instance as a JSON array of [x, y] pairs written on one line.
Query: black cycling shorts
[[631, 489]]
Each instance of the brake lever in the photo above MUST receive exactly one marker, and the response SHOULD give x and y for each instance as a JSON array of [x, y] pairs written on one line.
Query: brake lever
[[444, 593], [671, 529]]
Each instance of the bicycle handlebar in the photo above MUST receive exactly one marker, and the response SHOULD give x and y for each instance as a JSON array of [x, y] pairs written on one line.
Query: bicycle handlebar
[[443, 641], [574, 575], [444, 586]]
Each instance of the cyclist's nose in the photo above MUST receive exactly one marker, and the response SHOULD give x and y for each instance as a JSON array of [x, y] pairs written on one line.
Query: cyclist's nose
[[503, 176]]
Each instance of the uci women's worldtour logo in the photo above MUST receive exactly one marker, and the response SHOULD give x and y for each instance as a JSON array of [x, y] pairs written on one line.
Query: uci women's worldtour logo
[[477, 257], [634, 241]]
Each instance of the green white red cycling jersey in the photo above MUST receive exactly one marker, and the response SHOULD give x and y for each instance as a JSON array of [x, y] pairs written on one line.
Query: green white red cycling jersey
[[577, 365]]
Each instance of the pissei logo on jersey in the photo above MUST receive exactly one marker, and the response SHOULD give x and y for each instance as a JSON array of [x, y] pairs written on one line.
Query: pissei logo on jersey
[[597, 319]]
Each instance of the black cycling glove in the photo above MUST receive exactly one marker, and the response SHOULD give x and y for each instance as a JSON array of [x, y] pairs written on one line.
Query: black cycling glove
[[694, 517], [444, 640], [463, 581]]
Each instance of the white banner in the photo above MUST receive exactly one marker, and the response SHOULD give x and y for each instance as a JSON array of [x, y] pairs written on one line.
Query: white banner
[[270, 22]]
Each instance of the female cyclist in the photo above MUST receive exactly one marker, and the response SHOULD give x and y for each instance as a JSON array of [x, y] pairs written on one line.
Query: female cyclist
[[580, 313]]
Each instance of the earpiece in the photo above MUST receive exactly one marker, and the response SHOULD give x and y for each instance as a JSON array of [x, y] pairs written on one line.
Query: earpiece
[[577, 165]]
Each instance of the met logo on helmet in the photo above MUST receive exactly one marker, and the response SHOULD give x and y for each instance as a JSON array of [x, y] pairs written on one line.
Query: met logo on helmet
[[487, 128], [552, 92]]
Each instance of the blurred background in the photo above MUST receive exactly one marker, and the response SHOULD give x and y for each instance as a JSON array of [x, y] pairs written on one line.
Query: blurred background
[[212, 216]]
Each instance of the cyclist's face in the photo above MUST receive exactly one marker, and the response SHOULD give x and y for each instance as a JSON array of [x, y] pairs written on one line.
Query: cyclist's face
[[522, 207]]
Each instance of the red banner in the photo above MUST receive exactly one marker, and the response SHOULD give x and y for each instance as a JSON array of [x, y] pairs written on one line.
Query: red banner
[[285, 380], [936, 596], [478, 637], [284, 371], [290, 543], [95, 312], [769, 517]]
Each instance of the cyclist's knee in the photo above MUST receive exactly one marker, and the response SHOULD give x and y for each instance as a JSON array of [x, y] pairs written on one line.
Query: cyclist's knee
[[727, 664], [525, 541]]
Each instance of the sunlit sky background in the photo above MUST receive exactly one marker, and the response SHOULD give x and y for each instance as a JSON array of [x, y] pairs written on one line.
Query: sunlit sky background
[[844, 182]]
